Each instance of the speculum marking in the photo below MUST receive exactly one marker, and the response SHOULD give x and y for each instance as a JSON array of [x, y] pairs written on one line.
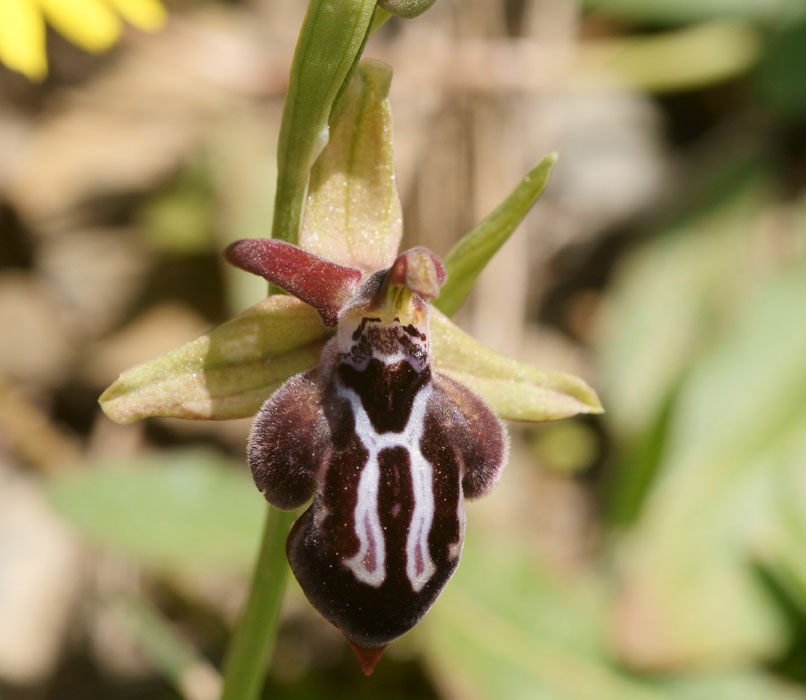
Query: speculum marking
[[369, 563]]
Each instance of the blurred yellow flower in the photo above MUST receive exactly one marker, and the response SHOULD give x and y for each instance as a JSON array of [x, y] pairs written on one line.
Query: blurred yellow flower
[[94, 25]]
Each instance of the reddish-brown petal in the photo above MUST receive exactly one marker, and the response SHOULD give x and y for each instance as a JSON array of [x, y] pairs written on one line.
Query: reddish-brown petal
[[288, 442], [323, 284]]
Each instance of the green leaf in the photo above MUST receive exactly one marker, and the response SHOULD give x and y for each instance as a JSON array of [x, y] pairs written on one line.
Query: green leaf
[[673, 11], [731, 685], [685, 59], [520, 634], [689, 270], [737, 440], [780, 81], [353, 214], [514, 390], [228, 372], [778, 543], [506, 627], [185, 511], [329, 44], [470, 255], [698, 269]]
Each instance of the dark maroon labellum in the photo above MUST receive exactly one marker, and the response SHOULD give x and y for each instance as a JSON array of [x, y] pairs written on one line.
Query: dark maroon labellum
[[388, 448]]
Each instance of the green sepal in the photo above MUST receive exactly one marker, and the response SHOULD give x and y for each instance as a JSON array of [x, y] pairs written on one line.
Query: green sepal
[[332, 37], [353, 214], [226, 373], [514, 390], [472, 253]]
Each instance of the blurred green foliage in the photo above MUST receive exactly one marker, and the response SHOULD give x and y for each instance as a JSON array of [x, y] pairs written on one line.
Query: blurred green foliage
[[175, 511], [696, 589], [674, 11], [781, 75], [539, 636], [712, 324], [178, 219]]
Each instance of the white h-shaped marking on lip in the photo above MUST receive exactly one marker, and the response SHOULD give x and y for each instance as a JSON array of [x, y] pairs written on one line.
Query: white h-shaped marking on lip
[[419, 565]]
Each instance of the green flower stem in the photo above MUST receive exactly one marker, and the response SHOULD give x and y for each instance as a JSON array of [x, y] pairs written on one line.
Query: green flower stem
[[330, 42], [253, 641]]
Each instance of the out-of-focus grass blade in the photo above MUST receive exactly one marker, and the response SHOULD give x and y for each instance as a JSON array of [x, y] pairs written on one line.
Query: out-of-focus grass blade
[[507, 628], [685, 59], [737, 685], [697, 270], [778, 544], [176, 511], [520, 634], [677, 11], [737, 428], [669, 298], [178, 661], [469, 256], [779, 80]]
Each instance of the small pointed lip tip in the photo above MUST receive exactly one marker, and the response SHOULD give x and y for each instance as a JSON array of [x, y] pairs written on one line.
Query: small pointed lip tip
[[367, 657]]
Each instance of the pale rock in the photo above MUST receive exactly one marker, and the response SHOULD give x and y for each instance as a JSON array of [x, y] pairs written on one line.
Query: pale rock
[[40, 580]]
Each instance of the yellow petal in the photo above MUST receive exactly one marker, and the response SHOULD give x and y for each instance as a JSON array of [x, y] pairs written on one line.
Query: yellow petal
[[22, 38], [148, 15], [514, 390], [90, 24]]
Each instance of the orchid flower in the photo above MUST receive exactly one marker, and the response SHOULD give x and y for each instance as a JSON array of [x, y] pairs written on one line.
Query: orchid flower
[[369, 400]]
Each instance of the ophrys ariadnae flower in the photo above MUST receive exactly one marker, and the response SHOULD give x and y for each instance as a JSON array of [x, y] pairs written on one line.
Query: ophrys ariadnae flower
[[387, 447], [368, 398]]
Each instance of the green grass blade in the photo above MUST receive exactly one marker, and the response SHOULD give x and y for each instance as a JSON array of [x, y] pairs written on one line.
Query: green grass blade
[[470, 255]]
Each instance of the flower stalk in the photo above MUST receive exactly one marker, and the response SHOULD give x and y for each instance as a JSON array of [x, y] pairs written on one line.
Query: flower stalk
[[338, 218], [330, 43], [252, 643]]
